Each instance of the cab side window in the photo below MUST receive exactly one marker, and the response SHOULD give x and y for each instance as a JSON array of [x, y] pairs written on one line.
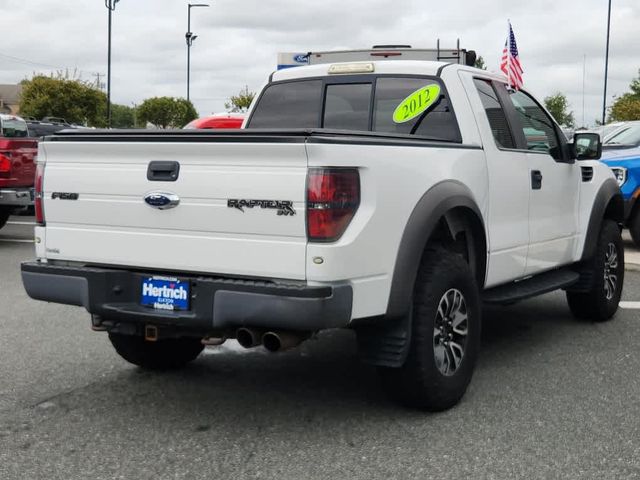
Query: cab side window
[[538, 128], [437, 122], [495, 114]]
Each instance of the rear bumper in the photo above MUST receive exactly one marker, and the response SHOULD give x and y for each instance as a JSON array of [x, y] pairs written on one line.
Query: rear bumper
[[217, 304], [16, 197]]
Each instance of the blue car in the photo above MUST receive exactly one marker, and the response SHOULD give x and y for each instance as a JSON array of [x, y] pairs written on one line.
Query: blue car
[[621, 152]]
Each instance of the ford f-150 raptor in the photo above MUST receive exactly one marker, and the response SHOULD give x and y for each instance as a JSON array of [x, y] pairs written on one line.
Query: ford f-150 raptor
[[392, 198]]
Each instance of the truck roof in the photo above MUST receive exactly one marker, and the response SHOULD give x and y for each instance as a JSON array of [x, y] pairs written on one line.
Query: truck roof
[[406, 67], [8, 116]]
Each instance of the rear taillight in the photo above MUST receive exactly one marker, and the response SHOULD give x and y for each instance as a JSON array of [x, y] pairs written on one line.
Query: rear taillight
[[5, 165], [39, 195], [333, 197]]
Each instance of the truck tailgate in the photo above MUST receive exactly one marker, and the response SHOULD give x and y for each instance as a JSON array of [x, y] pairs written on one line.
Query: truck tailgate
[[109, 222]]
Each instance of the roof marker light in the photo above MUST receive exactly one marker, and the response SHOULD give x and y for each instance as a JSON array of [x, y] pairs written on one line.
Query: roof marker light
[[347, 68]]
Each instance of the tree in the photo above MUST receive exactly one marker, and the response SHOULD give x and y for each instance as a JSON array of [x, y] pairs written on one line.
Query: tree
[[122, 116], [63, 96], [479, 63], [167, 112], [627, 106], [635, 85], [557, 104], [240, 102]]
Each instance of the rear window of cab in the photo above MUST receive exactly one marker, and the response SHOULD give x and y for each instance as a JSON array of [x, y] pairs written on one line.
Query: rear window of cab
[[386, 104]]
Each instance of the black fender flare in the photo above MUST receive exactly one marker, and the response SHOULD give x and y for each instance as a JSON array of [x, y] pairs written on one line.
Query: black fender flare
[[608, 203], [422, 223]]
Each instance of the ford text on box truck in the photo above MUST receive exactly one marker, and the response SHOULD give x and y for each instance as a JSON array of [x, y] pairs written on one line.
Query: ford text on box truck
[[392, 198]]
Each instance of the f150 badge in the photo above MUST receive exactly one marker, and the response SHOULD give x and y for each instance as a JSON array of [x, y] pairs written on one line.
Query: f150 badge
[[284, 207]]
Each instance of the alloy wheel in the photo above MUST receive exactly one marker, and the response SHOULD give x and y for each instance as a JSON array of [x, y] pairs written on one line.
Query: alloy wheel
[[450, 332], [610, 271]]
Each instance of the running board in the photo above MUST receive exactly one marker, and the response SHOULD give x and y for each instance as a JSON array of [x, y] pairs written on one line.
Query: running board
[[530, 287]]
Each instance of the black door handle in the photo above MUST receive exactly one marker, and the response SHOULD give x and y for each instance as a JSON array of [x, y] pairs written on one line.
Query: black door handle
[[536, 179], [163, 171]]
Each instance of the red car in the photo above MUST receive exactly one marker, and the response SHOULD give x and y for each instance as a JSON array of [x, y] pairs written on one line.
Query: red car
[[17, 165], [221, 120]]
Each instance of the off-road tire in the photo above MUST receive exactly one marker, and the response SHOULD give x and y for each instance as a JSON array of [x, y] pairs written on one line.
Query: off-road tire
[[420, 382], [634, 227], [594, 304], [5, 213], [163, 354]]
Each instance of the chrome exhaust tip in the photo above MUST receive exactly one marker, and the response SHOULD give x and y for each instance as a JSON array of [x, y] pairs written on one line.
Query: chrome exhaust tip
[[247, 337], [277, 341]]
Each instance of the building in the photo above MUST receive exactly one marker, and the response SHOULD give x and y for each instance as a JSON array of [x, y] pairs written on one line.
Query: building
[[10, 98]]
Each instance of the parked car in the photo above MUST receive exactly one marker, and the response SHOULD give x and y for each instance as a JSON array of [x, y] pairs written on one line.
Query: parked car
[[222, 120], [606, 130], [40, 128], [57, 120], [17, 166], [389, 197], [625, 136], [624, 160]]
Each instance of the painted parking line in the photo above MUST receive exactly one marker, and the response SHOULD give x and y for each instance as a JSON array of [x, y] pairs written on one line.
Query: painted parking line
[[630, 305], [15, 240], [32, 224]]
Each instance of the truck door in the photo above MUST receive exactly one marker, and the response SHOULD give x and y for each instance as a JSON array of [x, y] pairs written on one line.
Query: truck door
[[508, 217], [554, 185]]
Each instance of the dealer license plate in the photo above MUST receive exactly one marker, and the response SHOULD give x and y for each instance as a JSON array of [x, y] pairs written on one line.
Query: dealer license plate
[[165, 293]]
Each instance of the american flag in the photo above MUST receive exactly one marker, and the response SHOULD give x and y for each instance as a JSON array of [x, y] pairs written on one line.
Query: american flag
[[510, 63]]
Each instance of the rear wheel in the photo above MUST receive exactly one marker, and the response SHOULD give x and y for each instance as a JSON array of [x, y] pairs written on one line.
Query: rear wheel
[[445, 336], [607, 271], [163, 354], [5, 213]]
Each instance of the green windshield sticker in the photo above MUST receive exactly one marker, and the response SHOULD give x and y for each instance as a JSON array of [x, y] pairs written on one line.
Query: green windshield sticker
[[416, 103]]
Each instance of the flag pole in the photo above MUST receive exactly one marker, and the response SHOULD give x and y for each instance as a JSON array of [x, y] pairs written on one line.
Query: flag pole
[[606, 67]]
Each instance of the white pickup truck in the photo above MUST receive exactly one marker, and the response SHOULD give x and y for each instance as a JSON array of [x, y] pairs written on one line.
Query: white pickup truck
[[392, 198]]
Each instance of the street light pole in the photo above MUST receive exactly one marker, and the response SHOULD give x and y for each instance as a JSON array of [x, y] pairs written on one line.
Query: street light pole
[[111, 6], [190, 37], [606, 67]]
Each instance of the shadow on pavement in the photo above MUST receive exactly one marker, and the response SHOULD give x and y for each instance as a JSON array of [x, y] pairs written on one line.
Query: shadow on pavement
[[322, 377]]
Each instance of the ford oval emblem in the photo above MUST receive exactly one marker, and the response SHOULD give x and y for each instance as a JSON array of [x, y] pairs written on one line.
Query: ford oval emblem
[[301, 58], [162, 200]]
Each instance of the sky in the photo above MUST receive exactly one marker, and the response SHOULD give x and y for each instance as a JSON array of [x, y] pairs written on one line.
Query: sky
[[238, 41]]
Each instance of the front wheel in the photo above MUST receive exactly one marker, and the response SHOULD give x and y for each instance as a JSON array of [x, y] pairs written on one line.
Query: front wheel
[[445, 335], [607, 271], [634, 228], [163, 354]]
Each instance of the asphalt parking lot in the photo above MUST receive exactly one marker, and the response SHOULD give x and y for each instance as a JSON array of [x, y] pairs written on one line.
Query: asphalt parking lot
[[552, 397]]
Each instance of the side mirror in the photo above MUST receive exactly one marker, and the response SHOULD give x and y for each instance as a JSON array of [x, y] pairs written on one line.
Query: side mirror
[[586, 146]]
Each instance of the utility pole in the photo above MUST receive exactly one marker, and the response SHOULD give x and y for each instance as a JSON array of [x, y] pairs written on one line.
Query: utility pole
[[190, 37], [111, 6], [584, 74], [606, 67], [98, 76]]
